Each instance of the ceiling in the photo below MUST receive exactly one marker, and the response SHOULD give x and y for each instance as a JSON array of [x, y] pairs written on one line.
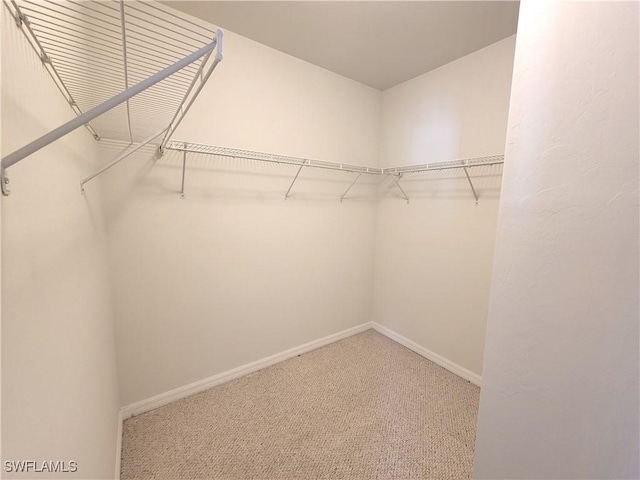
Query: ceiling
[[378, 43]]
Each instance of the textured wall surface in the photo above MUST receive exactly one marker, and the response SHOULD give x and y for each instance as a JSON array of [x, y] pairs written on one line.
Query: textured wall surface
[[560, 383]]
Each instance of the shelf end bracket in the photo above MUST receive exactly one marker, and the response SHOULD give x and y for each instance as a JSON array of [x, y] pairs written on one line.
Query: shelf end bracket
[[286, 195], [347, 190], [397, 182], [475, 194], [4, 181]]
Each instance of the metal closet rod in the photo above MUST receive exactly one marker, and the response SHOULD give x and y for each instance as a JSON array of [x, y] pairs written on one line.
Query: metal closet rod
[[191, 94], [110, 22], [187, 100], [68, 127], [122, 42]]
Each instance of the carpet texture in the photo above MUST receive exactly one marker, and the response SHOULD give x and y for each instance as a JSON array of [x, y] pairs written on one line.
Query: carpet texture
[[364, 407]]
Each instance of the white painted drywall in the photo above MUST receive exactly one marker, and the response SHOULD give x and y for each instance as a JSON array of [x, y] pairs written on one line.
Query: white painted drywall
[[433, 256], [233, 273], [456, 111], [560, 384], [59, 380]]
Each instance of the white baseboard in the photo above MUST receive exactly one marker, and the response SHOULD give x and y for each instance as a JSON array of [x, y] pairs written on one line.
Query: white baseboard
[[207, 383], [428, 354], [119, 446]]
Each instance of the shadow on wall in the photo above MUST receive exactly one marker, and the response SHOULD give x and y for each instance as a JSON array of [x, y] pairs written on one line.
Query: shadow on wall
[[219, 177], [446, 184], [216, 177]]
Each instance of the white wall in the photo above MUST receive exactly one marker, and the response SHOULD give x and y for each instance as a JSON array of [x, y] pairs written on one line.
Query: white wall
[[456, 111], [233, 273], [434, 255], [262, 99], [59, 380], [560, 386]]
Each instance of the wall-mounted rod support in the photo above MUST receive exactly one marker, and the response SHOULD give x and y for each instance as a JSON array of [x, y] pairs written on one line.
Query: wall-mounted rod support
[[347, 190], [4, 181], [182, 109], [131, 150], [475, 194], [68, 127], [286, 195], [184, 169], [397, 182]]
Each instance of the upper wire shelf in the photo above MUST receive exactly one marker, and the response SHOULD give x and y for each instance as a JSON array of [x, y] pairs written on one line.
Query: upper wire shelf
[[131, 71], [267, 157], [95, 49]]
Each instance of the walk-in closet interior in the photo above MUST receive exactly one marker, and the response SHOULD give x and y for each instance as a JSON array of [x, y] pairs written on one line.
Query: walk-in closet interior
[[278, 240]]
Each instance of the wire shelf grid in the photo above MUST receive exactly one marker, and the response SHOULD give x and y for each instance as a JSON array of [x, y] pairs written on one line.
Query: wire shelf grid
[[95, 49], [189, 147]]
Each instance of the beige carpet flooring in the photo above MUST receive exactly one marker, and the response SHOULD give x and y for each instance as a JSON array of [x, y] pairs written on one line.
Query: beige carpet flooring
[[361, 408]]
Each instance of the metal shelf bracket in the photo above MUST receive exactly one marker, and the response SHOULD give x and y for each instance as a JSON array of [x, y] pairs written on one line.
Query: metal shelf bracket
[[121, 73], [130, 150], [397, 182], [347, 190], [184, 169], [187, 102], [286, 195], [21, 19], [395, 173], [4, 181], [71, 125], [475, 194]]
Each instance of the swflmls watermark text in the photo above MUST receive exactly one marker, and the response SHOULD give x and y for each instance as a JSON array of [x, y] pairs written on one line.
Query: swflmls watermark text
[[43, 466]]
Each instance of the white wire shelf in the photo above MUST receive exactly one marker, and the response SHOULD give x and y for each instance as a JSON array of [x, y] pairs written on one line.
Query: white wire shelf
[[189, 147], [128, 70], [97, 49], [454, 164], [131, 70], [395, 173], [268, 157]]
